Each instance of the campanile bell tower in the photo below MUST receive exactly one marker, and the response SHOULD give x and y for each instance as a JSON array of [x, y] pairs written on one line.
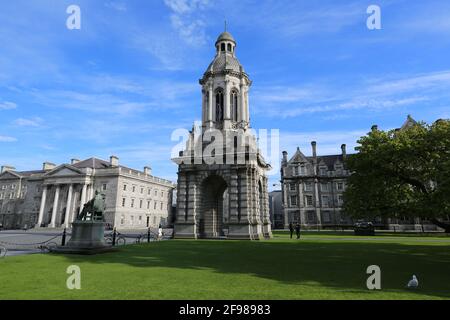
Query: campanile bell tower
[[222, 187]]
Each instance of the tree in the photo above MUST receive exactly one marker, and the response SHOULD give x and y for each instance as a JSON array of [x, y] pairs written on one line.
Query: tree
[[402, 172]]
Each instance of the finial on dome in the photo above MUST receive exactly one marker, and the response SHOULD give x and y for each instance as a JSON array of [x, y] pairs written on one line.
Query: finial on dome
[[225, 25]]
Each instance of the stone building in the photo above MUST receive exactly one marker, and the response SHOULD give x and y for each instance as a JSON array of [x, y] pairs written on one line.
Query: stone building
[[313, 188], [53, 196], [222, 187], [276, 209]]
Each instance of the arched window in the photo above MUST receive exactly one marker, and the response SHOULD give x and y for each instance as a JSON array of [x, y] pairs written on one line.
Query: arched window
[[229, 47], [219, 105], [234, 105], [222, 48]]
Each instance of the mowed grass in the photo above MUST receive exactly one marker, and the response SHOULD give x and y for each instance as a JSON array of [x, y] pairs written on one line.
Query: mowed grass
[[316, 267]]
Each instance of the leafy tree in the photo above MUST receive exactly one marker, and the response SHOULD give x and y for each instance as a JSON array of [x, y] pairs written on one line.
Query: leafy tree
[[403, 172]]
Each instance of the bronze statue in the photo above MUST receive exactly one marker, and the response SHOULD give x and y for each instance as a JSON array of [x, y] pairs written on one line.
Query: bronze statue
[[95, 207]]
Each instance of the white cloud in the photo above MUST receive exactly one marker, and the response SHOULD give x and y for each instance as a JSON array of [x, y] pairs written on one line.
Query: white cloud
[[187, 20], [7, 139], [34, 122], [7, 105], [118, 6]]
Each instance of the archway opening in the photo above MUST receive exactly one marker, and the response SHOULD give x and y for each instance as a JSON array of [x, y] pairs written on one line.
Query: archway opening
[[214, 214]]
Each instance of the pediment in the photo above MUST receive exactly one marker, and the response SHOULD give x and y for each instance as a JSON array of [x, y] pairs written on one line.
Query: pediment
[[298, 157], [64, 170], [9, 175]]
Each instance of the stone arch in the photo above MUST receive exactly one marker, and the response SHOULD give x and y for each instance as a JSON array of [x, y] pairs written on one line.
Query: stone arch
[[213, 193]]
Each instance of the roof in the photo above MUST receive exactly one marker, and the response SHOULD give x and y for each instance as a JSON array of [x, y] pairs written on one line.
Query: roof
[[93, 163], [225, 36], [225, 61]]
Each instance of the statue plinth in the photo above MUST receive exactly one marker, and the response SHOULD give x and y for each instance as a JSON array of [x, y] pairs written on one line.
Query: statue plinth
[[87, 238]]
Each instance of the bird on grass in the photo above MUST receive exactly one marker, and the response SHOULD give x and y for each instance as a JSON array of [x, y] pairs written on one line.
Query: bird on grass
[[413, 283]]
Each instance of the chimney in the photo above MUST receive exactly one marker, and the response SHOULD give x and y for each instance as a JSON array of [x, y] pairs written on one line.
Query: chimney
[[344, 151], [74, 161], [314, 149], [7, 168], [147, 171], [285, 154], [46, 166], [114, 161]]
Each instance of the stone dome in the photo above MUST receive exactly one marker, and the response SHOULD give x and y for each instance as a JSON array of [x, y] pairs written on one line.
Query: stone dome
[[224, 62], [225, 36]]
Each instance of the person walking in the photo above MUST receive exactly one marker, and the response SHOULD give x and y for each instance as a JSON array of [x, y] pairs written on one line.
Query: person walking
[[291, 229], [297, 230]]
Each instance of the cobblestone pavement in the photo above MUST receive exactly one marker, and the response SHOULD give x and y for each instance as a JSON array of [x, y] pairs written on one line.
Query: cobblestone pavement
[[20, 242]]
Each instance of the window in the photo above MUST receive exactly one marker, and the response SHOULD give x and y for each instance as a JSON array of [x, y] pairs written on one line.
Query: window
[[229, 47], [122, 220], [142, 190], [154, 206], [134, 188], [162, 194], [149, 191], [222, 47], [161, 205], [294, 201], [13, 186], [132, 219], [340, 186], [140, 204], [302, 169], [311, 216], [124, 187], [156, 193], [308, 186], [324, 186], [340, 199], [132, 203], [326, 217], [292, 187], [104, 186], [309, 201], [325, 201], [219, 105], [234, 105], [148, 204], [323, 171]]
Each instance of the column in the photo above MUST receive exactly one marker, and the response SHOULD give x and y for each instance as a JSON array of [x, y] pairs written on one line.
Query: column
[[226, 100], [42, 208], [69, 206], [55, 208], [241, 111], [83, 197], [246, 107], [210, 103]]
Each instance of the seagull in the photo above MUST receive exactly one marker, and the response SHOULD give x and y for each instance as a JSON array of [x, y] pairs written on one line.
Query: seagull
[[413, 283]]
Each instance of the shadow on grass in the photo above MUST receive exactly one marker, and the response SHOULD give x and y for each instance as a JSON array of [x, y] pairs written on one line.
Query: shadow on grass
[[337, 265]]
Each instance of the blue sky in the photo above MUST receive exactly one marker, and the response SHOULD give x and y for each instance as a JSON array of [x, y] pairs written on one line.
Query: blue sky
[[129, 77]]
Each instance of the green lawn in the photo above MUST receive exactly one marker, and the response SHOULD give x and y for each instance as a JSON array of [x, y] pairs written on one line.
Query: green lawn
[[316, 267]]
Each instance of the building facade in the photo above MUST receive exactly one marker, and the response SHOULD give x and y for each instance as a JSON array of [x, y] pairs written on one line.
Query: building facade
[[53, 196], [313, 187], [222, 186], [276, 209]]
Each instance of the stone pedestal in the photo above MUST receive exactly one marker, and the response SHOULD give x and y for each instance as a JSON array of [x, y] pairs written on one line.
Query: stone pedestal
[[87, 238]]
